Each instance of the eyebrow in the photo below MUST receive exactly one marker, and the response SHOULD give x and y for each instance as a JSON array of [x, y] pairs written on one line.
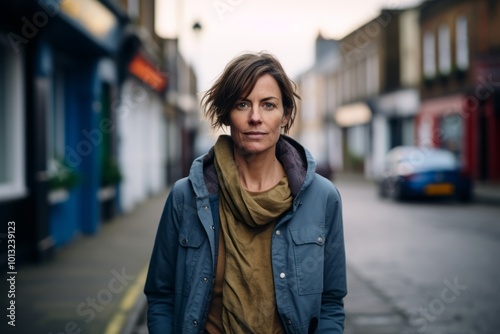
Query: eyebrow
[[264, 99], [270, 98]]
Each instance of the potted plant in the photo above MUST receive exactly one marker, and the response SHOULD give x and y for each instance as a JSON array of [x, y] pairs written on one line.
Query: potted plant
[[62, 178], [110, 177]]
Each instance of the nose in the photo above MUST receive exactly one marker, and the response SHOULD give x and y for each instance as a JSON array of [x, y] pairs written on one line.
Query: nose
[[255, 115]]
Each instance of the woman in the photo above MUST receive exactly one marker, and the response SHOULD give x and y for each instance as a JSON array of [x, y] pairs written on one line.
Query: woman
[[251, 241]]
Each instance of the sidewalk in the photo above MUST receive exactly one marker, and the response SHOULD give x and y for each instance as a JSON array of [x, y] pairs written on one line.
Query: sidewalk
[[94, 285], [487, 193], [367, 311]]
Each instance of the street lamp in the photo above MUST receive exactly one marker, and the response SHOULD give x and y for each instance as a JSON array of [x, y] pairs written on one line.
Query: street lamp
[[197, 26]]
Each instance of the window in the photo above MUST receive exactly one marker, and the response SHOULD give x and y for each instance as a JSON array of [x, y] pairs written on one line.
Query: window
[[451, 127], [12, 150], [408, 131], [444, 50], [462, 43], [429, 55]]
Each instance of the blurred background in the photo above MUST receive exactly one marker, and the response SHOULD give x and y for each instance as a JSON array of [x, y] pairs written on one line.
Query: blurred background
[[99, 115]]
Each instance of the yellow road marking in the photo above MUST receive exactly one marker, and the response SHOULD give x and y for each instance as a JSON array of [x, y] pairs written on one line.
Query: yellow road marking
[[116, 324]]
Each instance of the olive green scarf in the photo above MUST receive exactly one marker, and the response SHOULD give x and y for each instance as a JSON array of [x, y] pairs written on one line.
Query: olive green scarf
[[247, 222]]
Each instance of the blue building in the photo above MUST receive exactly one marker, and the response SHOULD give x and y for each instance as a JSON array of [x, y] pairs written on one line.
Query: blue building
[[60, 69]]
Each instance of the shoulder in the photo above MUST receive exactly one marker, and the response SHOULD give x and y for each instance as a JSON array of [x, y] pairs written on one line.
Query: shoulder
[[325, 186], [181, 190]]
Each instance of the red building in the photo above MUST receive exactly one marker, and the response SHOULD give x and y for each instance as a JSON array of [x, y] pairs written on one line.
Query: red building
[[460, 88]]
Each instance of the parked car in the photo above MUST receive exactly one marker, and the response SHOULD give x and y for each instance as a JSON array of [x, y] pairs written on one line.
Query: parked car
[[412, 172]]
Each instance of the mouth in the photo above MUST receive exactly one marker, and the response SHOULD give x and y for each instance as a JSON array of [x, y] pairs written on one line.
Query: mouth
[[254, 134]]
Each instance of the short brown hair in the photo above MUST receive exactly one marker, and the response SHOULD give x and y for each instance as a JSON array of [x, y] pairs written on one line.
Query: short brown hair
[[239, 78]]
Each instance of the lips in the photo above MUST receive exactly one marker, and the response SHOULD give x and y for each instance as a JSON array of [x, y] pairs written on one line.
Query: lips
[[255, 134]]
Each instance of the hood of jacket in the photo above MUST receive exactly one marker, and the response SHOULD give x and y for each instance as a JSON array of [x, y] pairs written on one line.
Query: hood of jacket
[[297, 161]]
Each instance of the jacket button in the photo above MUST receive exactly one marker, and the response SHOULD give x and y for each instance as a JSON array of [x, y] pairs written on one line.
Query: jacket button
[[278, 232], [204, 279], [205, 207], [195, 323], [320, 239], [212, 227], [184, 242], [282, 275]]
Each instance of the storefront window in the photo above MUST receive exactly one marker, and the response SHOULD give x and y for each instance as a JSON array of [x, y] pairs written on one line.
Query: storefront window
[[408, 127], [53, 91], [451, 133]]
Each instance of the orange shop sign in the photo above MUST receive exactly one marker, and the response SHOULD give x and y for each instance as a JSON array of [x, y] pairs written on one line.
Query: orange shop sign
[[145, 71]]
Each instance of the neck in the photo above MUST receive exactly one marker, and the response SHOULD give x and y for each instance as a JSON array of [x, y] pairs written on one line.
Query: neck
[[258, 173]]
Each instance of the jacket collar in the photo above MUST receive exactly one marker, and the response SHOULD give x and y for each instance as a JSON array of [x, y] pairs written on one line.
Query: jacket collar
[[298, 163]]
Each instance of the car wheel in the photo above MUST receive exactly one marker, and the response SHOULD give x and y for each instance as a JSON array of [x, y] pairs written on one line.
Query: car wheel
[[465, 196]]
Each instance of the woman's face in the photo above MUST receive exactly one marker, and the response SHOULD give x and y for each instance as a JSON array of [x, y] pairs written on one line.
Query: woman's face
[[256, 120]]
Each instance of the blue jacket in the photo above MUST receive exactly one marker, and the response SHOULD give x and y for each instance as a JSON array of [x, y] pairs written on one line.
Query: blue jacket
[[308, 255]]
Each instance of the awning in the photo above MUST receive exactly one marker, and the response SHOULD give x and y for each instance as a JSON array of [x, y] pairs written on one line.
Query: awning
[[92, 18], [400, 103], [353, 114]]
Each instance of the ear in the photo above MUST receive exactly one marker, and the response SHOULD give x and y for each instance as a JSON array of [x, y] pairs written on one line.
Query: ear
[[284, 120]]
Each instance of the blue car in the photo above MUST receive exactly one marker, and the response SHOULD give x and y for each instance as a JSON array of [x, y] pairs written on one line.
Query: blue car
[[423, 172]]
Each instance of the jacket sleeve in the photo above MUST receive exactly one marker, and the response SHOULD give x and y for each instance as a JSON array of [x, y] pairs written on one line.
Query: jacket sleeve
[[335, 285], [160, 281]]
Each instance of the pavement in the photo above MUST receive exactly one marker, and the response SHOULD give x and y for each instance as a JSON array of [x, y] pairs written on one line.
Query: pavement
[[95, 284], [487, 193]]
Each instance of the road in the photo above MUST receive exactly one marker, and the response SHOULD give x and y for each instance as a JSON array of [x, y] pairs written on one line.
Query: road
[[418, 267], [435, 265]]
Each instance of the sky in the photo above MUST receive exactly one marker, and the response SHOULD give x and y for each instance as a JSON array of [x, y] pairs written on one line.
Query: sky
[[287, 29]]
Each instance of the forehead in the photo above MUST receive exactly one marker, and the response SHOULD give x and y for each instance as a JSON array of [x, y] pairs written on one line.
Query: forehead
[[266, 84]]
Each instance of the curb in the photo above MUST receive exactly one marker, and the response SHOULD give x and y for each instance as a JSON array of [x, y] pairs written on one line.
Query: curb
[[137, 315]]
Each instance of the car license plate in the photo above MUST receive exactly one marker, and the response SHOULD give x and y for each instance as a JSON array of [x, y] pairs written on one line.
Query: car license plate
[[439, 189]]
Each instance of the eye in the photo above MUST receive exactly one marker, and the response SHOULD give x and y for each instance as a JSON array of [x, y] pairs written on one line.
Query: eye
[[269, 105], [242, 105]]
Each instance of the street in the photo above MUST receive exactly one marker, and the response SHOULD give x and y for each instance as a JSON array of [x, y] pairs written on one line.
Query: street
[[418, 267], [433, 264]]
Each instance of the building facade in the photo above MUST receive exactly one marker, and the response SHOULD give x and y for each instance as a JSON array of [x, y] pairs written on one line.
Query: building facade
[[379, 89], [83, 122], [395, 109], [314, 126], [140, 108], [460, 85], [67, 56]]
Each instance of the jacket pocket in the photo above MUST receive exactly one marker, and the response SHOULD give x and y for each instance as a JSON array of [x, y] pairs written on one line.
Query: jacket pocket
[[189, 257], [309, 257]]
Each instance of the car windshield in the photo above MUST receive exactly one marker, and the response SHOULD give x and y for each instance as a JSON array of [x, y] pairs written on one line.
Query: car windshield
[[425, 160]]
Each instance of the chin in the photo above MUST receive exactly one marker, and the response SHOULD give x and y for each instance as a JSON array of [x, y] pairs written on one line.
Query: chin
[[249, 150]]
